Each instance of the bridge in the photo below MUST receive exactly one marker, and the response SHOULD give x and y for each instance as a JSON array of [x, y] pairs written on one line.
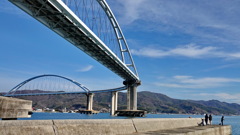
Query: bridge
[[58, 85], [91, 26]]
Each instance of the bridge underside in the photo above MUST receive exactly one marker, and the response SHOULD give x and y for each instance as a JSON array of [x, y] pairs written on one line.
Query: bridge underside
[[60, 19], [56, 16]]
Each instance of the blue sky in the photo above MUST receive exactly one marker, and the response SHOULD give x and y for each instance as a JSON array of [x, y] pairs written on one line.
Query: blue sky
[[185, 49]]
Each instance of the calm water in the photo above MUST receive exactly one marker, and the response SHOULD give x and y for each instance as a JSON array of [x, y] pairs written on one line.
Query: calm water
[[234, 121]]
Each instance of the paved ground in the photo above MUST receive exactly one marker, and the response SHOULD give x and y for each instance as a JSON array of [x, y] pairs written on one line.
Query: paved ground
[[198, 130]]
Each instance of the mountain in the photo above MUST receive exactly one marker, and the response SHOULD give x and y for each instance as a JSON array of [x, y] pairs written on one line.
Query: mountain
[[149, 101], [161, 103]]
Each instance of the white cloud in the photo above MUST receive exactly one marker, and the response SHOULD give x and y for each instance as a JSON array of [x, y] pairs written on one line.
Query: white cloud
[[221, 95], [188, 79], [212, 21], [171, 85], [189, 51], [132, 10], [182, 77], [150, 52], [198, 83], [233, 98], [235, 55], [192, 50], [85, 69]]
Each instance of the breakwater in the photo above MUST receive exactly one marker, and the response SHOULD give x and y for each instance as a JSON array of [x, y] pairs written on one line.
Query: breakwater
[[93, 127]]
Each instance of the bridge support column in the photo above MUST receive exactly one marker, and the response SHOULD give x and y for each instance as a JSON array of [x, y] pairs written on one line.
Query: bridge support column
[[131, 101], [132, 97], [90, 101], [114, 102]]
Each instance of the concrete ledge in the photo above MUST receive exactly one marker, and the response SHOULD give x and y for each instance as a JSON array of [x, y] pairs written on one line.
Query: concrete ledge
[[94, 127], [214, 130], [197, 130], [145, 125], [14, 108], [105, 126], [27, 127]]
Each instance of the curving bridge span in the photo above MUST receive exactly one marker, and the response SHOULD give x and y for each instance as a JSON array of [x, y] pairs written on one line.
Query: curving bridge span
[[16, 91], [23, 90], [91, 26]]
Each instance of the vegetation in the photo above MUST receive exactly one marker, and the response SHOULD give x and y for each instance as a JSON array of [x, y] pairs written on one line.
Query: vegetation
[[149, 101]]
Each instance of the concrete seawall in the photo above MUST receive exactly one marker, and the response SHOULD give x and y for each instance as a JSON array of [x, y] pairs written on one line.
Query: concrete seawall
[[145, 125], [11, 108], [197, 130], [93, 127]]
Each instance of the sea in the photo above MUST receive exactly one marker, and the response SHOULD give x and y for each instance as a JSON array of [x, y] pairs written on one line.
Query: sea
[[234, 121]]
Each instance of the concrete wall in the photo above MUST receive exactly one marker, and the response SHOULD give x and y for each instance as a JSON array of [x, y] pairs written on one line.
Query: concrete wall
[[213, 130], [92, 127], [196, 130], [26, 127], [14, 108], [144, 125]]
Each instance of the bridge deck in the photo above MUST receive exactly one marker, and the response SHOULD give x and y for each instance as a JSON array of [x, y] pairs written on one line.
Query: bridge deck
[[64, 93], [59, 18]]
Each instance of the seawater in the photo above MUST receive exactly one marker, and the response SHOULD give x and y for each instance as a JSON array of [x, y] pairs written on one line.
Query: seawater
[[234, 121]]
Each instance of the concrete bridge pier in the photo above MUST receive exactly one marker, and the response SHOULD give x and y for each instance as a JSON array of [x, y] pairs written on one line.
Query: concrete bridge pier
[[131, 101], [132, 97], [90, 101], [114, 104], [89, 107]]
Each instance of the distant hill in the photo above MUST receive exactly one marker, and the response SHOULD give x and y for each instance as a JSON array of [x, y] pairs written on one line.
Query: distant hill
[[161, 103], [149, 101]]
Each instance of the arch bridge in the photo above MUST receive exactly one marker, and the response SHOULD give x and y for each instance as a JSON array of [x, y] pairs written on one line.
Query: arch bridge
[[91, 26], [50, 84]]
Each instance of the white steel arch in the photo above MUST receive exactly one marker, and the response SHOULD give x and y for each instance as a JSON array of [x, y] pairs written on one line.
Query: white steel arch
[[119, 34]]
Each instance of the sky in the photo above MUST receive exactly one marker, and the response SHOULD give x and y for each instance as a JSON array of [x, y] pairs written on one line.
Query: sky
[[185, 49]]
